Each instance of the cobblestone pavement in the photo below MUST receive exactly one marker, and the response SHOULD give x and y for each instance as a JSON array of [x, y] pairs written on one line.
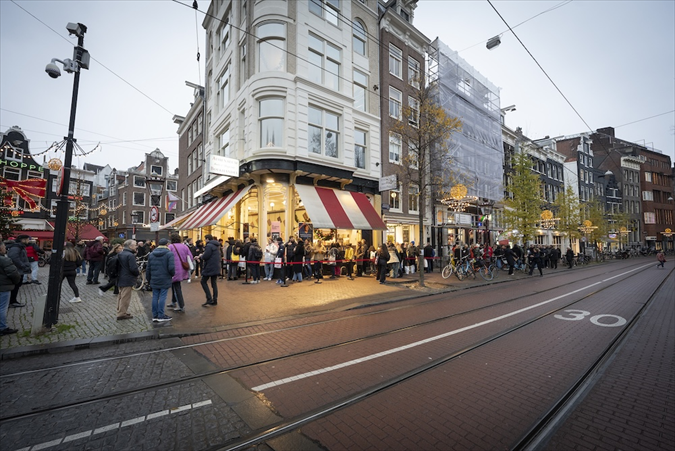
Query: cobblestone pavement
[[95, 317]]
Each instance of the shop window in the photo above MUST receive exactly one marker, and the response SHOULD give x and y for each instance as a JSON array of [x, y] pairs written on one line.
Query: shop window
[[324, 132], [271, 47], [271, 114]]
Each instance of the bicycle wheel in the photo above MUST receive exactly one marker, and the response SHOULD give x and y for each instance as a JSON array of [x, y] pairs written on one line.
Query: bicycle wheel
[[460, 272], [447, 271], [486, 273], [140, 281], [494, 271]]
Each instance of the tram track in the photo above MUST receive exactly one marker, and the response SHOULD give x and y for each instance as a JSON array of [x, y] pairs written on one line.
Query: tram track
[[220, 371], [529, 437]]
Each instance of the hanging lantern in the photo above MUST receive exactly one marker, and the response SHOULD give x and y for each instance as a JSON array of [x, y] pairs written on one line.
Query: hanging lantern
[[103, 211], [54, 164]]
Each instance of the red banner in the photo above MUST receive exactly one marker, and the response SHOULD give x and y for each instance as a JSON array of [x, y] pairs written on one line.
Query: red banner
[[26, 189]]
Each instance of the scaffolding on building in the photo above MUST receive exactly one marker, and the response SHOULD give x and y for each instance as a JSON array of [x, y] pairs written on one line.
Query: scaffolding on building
[[476, 153]]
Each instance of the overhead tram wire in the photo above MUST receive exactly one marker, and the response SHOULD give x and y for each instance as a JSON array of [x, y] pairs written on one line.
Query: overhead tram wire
[[97, 61]]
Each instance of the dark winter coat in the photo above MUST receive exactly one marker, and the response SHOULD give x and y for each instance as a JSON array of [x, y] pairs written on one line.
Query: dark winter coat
[[211, 259], [16, 250], [251, 257], [128, 269], [95, 252], [9, 275], [70, 267], [161, 268], [510, 256]]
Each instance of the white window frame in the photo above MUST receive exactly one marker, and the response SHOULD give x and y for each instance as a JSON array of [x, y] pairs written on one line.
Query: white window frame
[[154, 172], [124, 199], [224, 143], [135, 214], [139, 178], [360, 90], [414, 117], [395, 198], [359, 38], [331, 56], [329, 10], [395, 61], [326, 131], [395, 103], [395, 144], [272, 118], [360, 147], [173, 184], [134, 199], [648, 176], [413, 198], [168, 217], [223, 84], [650, 217], [414, 70], [276, 43]]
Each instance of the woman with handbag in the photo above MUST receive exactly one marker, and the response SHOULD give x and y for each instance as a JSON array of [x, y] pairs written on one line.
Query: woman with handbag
[[182, 260]]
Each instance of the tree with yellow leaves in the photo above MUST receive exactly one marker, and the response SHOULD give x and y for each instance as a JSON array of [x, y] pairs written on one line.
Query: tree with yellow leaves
[[425, 129]]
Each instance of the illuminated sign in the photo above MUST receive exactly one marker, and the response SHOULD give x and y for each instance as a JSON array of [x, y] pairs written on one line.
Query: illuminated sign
[[21, 165]]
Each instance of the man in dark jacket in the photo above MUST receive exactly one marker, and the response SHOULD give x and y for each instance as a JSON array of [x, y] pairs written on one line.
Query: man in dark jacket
[[9, 277], [428, 257], [16, 250], [94, 254], [126, 278], [510, 258], [159, 273], [210, 270]]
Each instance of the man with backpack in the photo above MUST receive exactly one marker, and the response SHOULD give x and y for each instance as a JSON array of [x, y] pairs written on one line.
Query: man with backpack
[[253, 258]]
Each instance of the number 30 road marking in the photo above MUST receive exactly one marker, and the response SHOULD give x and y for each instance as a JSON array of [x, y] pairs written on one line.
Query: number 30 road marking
[[577, 315]]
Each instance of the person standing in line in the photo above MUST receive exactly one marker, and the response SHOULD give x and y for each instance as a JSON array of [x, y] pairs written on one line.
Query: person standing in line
[[319, 256], [9, 277], [230, 256], [359, 256], [510, 258], [16, 250], [382, 260], [281, 253], [349, 260], [255, 254], [33, 252], [126, 278], [81, 248], [290, 257], [71, 261], [210, 270], [111, 270], [270, 255], [159, 273], [298, 260], [428, 257], [569, 256], [181, 258], [94, 255]]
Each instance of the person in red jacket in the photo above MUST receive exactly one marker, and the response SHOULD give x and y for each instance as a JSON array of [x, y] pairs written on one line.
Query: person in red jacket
[[33, 252], [94, 254]]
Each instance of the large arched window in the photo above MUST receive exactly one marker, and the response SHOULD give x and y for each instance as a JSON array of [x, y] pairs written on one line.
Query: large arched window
[[271, 47], [359, 40]]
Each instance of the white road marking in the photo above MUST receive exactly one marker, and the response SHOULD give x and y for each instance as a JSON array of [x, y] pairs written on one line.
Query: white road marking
[[114, 426], [428, 340]]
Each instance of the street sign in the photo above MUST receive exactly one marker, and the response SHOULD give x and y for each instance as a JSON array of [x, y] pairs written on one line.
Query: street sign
[[388, 182], [154, 214]]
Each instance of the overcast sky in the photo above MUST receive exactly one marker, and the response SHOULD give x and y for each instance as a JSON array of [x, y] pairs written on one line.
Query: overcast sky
[[614, 61]]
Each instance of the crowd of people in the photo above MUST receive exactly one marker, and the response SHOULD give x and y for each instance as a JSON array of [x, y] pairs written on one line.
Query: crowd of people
[[171, 262]]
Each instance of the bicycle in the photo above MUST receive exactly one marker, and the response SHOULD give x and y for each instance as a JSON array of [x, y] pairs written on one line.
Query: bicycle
[[465, 269], [141, 283], [449, 269], [43, 259], [483, 270]]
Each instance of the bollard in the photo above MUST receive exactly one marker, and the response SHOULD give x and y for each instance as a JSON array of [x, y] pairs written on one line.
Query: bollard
[[38, 314]]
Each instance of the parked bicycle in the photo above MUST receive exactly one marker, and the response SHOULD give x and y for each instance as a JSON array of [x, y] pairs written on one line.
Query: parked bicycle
[[449, 269], [43, 259], [141, 283]]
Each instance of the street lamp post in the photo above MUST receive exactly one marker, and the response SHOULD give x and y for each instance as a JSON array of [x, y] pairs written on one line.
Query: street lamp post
[[80, 61]]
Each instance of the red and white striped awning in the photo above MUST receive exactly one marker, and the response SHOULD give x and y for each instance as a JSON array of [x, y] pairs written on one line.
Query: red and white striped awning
[[177, 222], [211, 213], [335, 209]]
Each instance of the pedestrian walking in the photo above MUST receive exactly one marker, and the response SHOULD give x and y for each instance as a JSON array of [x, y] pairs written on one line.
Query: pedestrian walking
[[16, 251], [126, 278], [182, 260], [159, 274], [536, 261], [80, 247], [71, 261], [197, 251], [33, 252], [510, 258], [428, 257], [9, 277], [94, 254], [569, 256], [661, 257], [111, 270], [210, 270]]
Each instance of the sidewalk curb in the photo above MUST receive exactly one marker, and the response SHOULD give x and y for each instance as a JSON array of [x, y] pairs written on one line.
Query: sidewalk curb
[[73, 345]]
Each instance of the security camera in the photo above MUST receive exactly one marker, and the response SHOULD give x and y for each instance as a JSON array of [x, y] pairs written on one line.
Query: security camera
[[53, 70]]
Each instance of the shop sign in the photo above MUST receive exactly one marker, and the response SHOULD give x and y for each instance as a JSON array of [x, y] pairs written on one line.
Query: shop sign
[[21, 165], [385, 206], [612, 235], [388, 182], [224, 166], [650, 238]]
